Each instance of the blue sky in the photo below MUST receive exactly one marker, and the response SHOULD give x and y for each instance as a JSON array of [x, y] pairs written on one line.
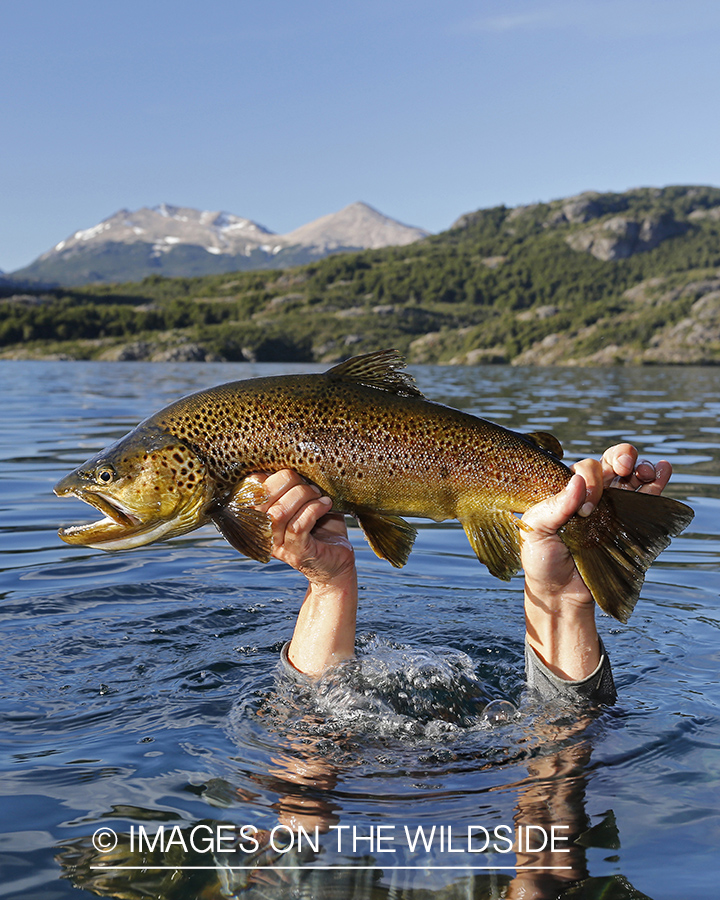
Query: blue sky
[[285, 111]]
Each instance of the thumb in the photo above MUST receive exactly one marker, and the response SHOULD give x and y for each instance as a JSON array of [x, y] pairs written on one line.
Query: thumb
[[548, 516]]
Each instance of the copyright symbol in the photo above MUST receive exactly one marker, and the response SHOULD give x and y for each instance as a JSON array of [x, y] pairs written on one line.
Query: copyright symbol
[[104, 840]]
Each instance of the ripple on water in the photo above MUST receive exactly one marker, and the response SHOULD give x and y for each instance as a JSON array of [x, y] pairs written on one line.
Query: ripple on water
[[141, 687]]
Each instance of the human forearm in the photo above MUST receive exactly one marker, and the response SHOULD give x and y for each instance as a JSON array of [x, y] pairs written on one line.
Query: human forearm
[[559, 609], [562, 633], [315, 543], [324, 633]]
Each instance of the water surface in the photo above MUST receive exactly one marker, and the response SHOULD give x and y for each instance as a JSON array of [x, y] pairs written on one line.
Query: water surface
[[141, 688]]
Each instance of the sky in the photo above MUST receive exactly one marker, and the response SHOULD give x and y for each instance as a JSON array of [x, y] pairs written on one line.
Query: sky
[[286, 110]]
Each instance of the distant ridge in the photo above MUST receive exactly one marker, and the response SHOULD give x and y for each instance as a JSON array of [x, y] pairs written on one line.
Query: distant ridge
[[596, 279], [180, 241]]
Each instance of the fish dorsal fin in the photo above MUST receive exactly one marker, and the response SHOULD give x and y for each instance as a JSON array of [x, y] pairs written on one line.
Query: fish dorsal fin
[[381, 370], [547, 442]]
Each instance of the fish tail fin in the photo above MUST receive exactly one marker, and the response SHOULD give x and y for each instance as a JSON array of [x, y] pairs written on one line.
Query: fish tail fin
[[614, 546]]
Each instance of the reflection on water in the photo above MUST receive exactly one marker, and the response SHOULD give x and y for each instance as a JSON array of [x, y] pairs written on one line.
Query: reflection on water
[[141, 690]]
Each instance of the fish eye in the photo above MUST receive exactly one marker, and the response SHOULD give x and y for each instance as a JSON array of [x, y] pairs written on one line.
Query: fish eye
[[105, 474]]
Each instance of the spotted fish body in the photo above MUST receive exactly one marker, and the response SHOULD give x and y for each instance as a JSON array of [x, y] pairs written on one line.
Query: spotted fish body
[[364, 434]]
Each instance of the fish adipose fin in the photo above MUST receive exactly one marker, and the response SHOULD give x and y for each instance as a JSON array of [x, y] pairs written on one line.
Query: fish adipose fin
[[546, 441], [391, 537], [247, 529], [613, 547], [493, 535], [379, 370]]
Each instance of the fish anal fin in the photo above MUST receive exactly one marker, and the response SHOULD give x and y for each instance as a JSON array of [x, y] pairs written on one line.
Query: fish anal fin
[[380, 370], [614, 546], [493, 535], [546, 441], [390, 537], [245, 528]]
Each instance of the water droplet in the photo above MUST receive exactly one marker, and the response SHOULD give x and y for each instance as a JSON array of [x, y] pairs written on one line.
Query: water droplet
[[497, 712]]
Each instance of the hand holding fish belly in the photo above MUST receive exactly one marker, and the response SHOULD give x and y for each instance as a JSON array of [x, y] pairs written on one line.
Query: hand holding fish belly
[[366, 437], [306, 535], [316, 543]]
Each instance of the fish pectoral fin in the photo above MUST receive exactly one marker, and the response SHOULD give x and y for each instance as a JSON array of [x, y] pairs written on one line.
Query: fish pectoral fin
[[391, 537], [379, 370], [493, 535], [546, 441], [245, 528]]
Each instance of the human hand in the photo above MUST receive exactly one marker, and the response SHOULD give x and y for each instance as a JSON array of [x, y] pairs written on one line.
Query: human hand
[[306, 535], [559, 608], [546, 560], [314, 541]]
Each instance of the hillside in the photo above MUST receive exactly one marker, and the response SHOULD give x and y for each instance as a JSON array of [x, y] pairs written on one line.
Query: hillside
[[598, 279], [178, 241]]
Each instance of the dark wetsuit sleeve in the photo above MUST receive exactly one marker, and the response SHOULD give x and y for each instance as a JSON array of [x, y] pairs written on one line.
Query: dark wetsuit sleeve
[[598, 687], [346, 666], [288, 669]]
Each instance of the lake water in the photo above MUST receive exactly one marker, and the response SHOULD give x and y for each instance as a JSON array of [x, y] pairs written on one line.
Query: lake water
[[139, 691]]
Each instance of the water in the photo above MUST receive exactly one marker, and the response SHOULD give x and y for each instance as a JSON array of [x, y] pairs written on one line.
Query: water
[[140, 689]]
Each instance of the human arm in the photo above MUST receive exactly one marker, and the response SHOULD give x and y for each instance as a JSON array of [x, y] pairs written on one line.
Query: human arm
[[559, 609], [311, 539]]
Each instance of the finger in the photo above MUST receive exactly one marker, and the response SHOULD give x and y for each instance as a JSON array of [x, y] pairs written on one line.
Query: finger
[[663, 471], [645, 472], [280, 483], [618, 462], [547, 517], [292, 526], [305, 518], [293, 500], [593, 475]]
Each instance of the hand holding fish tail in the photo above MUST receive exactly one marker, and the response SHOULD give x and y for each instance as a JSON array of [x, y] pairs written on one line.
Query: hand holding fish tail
[[559, 608]]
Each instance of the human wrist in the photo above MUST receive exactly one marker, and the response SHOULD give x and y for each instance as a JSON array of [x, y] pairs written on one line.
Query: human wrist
[[328, 584]]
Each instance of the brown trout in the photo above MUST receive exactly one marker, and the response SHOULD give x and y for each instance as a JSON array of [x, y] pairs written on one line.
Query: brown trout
[[365, 435]]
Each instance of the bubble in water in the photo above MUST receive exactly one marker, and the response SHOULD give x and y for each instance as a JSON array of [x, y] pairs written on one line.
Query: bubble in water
[[497, 712]]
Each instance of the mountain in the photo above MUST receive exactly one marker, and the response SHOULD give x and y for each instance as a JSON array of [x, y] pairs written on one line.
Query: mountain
[[594, 279], [178, 241]]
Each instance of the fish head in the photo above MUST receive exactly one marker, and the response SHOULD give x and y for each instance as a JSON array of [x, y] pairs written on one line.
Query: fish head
[[149, 485]]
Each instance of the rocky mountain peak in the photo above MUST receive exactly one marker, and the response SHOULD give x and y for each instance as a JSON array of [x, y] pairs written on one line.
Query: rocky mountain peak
[[178, 240]]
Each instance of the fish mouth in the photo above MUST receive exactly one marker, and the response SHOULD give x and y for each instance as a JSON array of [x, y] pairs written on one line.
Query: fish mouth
[[118, 522]]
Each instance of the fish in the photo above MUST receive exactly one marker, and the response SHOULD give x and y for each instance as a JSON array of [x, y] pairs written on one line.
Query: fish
[[364, 434]]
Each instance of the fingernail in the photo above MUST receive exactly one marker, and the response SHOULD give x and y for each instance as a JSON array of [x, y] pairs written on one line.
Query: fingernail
[[326, 500], [586, 509], [627, 462], [646, 462]]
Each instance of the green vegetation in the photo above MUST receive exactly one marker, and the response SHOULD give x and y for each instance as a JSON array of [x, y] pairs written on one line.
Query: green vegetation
[[597, 279]]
